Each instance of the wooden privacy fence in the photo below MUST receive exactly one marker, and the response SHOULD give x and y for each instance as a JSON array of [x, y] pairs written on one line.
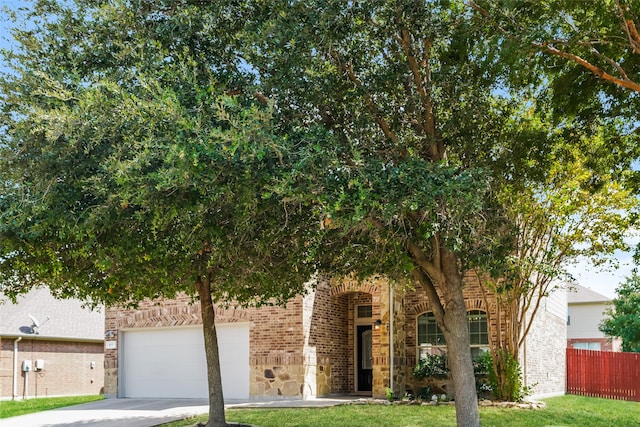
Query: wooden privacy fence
[[603, 374]]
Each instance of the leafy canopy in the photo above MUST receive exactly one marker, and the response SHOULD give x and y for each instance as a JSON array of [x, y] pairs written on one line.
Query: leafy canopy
[[624, 320], [588, 54], [127, 168]]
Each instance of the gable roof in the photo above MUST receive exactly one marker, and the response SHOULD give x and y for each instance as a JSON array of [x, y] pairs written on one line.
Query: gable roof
[[580, 295], [67, 319]]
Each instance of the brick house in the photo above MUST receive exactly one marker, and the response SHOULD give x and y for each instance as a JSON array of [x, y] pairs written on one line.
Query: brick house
[[585, 313], [345, 338], [64, 356]]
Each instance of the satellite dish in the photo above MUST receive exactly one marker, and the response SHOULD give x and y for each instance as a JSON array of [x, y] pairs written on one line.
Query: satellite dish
[[34, 321], [35, 324]]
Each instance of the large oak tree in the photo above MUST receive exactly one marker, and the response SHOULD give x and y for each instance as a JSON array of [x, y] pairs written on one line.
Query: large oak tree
[[129, 170], [423, 126], [401, 106]]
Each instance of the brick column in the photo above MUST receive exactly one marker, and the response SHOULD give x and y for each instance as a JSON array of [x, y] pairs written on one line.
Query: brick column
[[381, 374]]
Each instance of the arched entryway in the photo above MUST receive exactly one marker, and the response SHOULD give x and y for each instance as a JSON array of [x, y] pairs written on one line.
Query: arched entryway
[[357, 364]]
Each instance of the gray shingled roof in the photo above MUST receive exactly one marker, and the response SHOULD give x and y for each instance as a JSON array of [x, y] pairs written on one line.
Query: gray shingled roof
[[67, 318], [580, 295]]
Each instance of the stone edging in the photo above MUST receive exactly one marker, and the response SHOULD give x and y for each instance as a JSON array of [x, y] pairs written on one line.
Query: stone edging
[[482, 403]]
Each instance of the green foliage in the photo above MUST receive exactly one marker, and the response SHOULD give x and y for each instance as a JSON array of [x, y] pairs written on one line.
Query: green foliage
[[624, 320], [132, 167], [431, 365], [146, 145], [435, 365], [389, 394], [380, 189], [424, 393], [127, 171], [588, 57], [505, 377], [483, 365]]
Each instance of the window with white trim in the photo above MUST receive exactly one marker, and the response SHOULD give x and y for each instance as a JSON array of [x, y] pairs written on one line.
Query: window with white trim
[[431, 339], [587, 345]]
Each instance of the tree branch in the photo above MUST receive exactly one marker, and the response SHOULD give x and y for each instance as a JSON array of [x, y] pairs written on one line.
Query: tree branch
[[368, 99], [630, 30], [432, 294], [624, 82], [421, 82], [429, 267]]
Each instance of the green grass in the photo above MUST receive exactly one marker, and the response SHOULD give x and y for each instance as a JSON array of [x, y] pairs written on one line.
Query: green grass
[[12, 408], [560, 411]]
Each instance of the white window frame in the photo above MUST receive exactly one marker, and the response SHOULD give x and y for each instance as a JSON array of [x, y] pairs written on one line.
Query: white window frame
[[440, 348]]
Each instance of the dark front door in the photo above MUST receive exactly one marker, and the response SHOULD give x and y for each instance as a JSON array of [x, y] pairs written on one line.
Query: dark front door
[[365, 359]]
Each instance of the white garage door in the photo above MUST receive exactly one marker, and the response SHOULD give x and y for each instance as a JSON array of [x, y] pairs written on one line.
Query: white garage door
[[170, 362]]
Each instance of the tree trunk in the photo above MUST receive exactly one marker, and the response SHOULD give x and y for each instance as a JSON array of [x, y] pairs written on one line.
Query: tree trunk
[[216, 399], [450, 311], [456, 333]]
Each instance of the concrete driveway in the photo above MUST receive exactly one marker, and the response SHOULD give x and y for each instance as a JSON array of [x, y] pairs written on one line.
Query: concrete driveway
[[113, 412], [144, 412]]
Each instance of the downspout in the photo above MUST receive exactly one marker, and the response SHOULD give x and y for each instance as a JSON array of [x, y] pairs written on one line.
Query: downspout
[[15, 367], [524, 355], [391, 311]]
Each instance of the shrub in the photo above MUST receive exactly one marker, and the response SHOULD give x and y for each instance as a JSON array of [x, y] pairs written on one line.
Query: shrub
[[431, 365], [505, 378], [391, 396], [424, 393]]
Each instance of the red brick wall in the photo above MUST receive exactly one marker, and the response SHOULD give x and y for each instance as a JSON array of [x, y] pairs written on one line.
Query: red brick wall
[[67, 368], [338, 349], [276, 334], [415, 304]]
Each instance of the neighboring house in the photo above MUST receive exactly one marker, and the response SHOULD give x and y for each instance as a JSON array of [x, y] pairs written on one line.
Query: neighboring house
[[346, 338], [63, 356], [586, 312]]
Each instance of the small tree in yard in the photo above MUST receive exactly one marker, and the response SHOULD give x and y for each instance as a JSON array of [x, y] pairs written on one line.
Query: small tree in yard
[[578, 212], [624, 320], [583, 63], [128, 172]]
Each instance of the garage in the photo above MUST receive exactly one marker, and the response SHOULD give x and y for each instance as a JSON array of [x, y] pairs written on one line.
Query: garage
[[170, 362]]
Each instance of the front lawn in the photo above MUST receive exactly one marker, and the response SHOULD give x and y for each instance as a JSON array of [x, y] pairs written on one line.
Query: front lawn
[[560, 411], [12, 408]]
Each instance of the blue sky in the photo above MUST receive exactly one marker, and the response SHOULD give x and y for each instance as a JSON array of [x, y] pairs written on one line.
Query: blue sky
[[603, 282], [5, 24]]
